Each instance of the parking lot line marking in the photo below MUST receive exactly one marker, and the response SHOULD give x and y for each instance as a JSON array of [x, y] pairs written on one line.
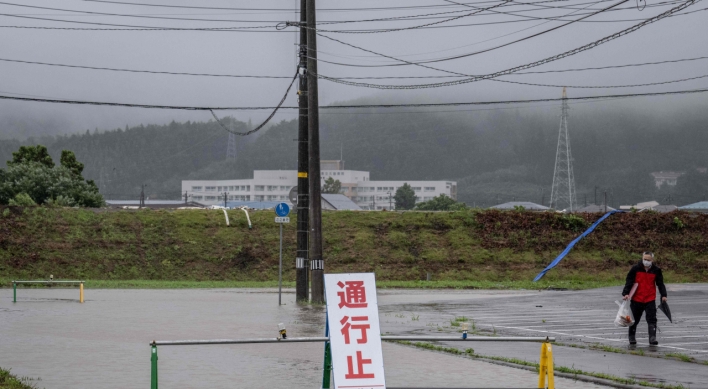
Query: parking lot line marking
[[608, 339]]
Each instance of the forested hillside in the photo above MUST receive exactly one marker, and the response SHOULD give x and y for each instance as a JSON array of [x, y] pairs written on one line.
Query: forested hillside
[[495, 155]]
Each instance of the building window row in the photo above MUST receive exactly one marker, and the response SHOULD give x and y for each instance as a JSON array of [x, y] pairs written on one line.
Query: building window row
[[430, 189], [221, 189]]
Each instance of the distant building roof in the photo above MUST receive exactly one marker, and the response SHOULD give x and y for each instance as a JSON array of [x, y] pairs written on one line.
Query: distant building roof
[[640, 206], [593, 208], [339, 202], [526, 204], [152, 204], [664, 208], [253, 204], [701, 206]]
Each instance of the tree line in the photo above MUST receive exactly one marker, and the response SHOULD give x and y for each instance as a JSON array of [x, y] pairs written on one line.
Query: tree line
[[495, 156]]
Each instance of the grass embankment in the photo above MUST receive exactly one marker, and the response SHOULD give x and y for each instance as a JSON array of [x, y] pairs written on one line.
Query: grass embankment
[[9, 381], [468, 249]]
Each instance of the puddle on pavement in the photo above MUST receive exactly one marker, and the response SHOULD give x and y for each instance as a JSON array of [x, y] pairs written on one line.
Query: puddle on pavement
[[652, 379]]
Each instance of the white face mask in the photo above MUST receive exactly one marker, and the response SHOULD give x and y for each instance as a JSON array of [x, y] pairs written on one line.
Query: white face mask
[[646, 263]]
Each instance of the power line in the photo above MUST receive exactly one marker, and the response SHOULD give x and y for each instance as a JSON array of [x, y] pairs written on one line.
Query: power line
[[139, 71], [491, 39], [265, 121], [135, 28], [528, 83], [342, 78], [495, 47], [528, 65], [365, 106], [280, 9], [527, 17], [256, 28], [395, 18], [300, 25]]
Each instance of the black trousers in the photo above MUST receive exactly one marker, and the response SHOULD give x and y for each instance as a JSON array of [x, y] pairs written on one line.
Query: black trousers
[[639, 308]]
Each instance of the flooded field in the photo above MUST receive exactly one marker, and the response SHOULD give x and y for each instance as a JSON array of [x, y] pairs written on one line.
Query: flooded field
[[103, 343]]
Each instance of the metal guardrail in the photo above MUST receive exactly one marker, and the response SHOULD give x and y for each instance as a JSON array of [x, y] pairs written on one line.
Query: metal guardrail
[[48, 282], [326, 339], [545, 365]]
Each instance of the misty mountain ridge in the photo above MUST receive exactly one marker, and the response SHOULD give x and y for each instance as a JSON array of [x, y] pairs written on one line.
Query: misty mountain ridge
[[496, 154]]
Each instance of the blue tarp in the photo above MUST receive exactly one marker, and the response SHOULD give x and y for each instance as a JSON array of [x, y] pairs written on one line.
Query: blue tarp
[[570, 246]]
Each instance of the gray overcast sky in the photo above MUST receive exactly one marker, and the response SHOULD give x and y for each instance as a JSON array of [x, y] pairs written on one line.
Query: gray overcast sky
[[273, 52]]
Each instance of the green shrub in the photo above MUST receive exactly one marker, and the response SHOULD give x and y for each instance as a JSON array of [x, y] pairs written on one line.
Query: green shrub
[[22, 200]]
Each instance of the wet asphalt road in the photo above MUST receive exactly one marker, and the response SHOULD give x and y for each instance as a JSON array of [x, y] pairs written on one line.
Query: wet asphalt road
[[574, 317]]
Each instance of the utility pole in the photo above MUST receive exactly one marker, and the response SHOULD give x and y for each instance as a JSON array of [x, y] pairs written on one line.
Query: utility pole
[[142, 195], [303, 186], [185, 197], [390, 205], [225, 199], [313, 125]]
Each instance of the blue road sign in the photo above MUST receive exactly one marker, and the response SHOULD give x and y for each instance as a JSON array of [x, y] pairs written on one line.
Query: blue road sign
[[282, 209]]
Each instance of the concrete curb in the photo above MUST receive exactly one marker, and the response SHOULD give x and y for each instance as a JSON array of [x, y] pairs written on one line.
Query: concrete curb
[[592, 380], [584, 378]]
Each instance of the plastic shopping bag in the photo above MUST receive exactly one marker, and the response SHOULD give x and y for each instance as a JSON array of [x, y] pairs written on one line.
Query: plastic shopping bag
[[624, 318]]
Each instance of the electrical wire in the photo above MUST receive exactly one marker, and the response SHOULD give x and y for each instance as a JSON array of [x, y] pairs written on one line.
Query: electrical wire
[[515, 69], [342, 78], [256, 28], [94, 13], [300, 25], [491, 9], [265, 121], [487, 49], [498, 37], [365, 106], [282, 9], [139, 71], [137, 28], [529, 83]]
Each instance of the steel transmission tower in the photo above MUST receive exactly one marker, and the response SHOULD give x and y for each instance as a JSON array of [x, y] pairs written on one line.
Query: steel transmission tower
[[563, 189], [231, 147]]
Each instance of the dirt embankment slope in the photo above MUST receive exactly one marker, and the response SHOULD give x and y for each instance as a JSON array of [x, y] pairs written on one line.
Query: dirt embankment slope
[[469, 245]]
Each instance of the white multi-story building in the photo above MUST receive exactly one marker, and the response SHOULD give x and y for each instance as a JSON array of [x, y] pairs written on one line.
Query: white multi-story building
[[275, 185], [380, 194]]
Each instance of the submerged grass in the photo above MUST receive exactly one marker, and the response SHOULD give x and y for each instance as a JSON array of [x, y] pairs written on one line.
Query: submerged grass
[[562, 369], [639, 352], [9, 381]]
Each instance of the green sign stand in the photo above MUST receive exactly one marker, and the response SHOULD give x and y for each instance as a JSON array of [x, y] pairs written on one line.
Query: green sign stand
[[327, 371], [153, 364]]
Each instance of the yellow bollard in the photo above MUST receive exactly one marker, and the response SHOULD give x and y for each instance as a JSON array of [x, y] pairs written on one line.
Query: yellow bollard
[[542, 368], [81, 292], [545, 368], [549, 366]]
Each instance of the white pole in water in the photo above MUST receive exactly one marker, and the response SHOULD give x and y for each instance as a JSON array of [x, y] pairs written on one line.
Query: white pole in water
[[280, 267]]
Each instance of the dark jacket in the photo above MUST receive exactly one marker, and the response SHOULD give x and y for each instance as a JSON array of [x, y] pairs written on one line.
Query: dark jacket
[[648, 282]]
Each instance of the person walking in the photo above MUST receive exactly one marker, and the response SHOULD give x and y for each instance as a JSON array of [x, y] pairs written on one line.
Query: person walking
[[648, 276]]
